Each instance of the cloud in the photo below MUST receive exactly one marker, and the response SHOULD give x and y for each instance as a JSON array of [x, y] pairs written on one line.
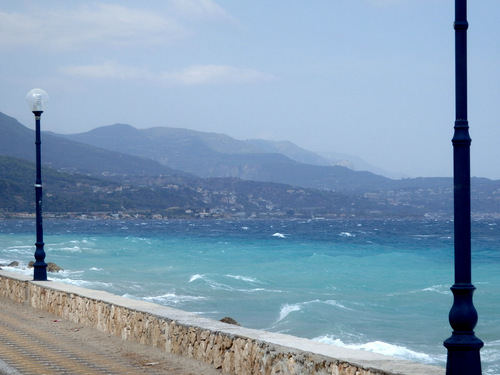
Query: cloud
[[200, 9], [107, 70], [190, 76], [99, 23], [214, 74]]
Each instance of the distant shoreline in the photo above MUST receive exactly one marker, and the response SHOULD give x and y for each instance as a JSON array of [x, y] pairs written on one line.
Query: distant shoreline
[[113, 217]]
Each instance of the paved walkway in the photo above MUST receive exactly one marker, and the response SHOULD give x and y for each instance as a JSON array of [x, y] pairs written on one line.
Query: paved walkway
[[35, 342]]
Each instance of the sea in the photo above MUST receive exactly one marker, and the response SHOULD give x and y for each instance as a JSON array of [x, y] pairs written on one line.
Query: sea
[[375, 285]]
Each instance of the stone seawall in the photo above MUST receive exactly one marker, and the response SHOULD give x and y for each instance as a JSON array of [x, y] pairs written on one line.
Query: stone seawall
[[235, 350]]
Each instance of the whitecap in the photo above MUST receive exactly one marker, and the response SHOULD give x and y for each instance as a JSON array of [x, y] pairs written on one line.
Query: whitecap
[[172, 298], [244, 278], [288, 309], [490, 354], [381, 348], [279, 235], [326, 339], [69, 273], [393, 350], [85, 283], [346, 234], [74, 249], [22, 270], [195, 277], [213, 284], [441, 289], [336, 304]]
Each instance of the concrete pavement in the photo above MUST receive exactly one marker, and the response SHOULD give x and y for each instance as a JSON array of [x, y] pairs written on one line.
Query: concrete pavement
[[36, 342]]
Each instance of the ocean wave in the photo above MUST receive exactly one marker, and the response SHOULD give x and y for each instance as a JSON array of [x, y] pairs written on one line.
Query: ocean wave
[[195, 277], [384, 348], [17, 251], [212, 283], [84, 241], [172, 298], [491, 353], [72, 246], [216, 285], [287, 309], [17, 247], [244, 278], [85, 283], [346, 234], [279, 235], [19, 269], [440, 289], [67, 273]]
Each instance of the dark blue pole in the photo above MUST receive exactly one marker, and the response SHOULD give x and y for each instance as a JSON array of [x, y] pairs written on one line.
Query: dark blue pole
[[463, 346], [40, 267]]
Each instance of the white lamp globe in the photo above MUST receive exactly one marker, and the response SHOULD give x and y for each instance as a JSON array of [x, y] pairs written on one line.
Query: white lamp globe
[[36, 99]]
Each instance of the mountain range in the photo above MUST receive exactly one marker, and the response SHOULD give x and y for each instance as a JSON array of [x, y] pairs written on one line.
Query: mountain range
[[218, 155], [200, 160]]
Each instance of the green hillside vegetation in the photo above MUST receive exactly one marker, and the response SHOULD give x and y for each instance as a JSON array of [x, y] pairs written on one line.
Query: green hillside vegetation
[[247, 181], [64, 155], [168, 196], [64, 192], [217, 155]]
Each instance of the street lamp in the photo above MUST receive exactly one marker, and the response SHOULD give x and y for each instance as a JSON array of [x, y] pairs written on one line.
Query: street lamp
[[463, 346], [36, 99]]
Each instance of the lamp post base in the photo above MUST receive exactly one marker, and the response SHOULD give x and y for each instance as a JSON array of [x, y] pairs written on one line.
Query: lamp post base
[[40, 271], [40, 267], [463, 354]]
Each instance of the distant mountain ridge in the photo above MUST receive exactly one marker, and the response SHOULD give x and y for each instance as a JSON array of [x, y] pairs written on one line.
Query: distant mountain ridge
[[218, 155], [18, 141], [235, 175], [297, 153]]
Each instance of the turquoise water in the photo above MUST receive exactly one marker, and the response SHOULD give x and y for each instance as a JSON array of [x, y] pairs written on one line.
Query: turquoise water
[[374, 285]]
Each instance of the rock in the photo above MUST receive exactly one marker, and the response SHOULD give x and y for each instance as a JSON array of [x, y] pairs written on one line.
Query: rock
[[13, 264], [229, 320], [51, 267]]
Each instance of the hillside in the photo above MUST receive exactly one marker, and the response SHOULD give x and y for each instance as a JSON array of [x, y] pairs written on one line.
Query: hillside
[[85, 178], [170, 196], [65, 155], [64, 192], [217, 155]]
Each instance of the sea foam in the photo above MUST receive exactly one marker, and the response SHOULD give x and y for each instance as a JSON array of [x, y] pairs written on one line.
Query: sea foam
[[382, 348]]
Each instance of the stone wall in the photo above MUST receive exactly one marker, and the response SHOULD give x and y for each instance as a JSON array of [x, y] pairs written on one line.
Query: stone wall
[[235, 350]]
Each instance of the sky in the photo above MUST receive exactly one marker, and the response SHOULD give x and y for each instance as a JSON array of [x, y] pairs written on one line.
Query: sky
[[369, 78]]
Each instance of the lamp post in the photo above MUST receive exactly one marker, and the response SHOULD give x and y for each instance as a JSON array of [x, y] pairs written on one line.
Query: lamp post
[[36, 99], [463, 346]]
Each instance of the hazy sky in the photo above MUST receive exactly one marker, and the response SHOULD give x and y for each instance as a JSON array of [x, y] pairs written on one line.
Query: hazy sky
[[371, 78]]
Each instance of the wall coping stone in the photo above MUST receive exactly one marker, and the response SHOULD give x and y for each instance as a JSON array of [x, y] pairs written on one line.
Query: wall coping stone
[[280, 342]]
